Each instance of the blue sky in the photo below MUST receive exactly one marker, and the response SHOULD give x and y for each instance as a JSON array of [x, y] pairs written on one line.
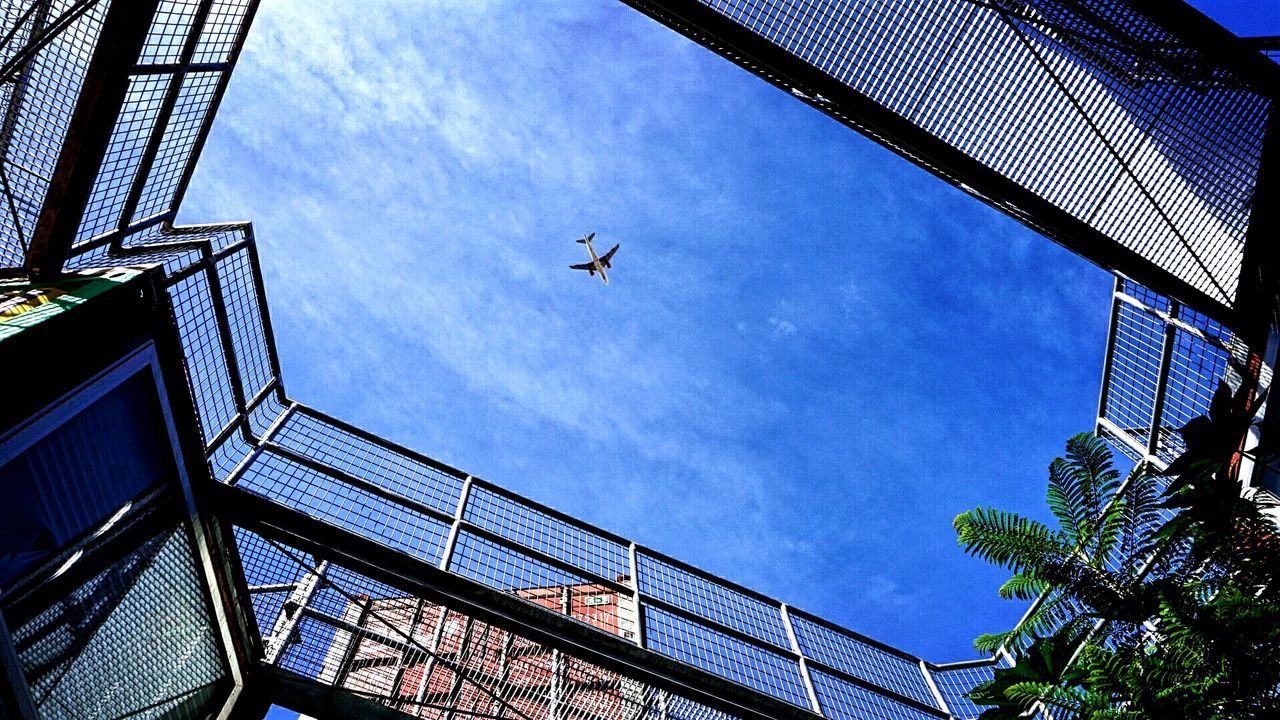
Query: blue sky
[[812, 355]]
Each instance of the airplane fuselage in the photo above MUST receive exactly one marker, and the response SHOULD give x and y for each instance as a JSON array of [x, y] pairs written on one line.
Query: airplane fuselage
[[595, 260]]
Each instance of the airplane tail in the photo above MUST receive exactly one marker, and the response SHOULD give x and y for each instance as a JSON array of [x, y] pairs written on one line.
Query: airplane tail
[[581, 241], [585, 240]]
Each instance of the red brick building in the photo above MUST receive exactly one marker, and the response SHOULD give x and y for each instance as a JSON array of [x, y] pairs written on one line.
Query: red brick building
[[470, 668]]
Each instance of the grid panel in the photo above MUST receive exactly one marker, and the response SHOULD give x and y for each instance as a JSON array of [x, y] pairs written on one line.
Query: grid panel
[[431, 661], [867, 662], [224, 458], [207, 371], [758, 669], [710, 599], [221, 30], [327, 498], [1145, 295], [174, 260], [1199, 359], [136, 640], [842, 700], [248, 339], [955, 683], [168, 32], [195, 98], [1086, 104], [1195, 368], [133, 129], [540, 531], [539, 583], [1135, 369], [216, 236], [379, 463], [266, 566], [37, 110]]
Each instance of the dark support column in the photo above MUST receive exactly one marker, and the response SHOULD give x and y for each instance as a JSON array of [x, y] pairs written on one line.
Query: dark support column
[[1259, 293], [1213, 41], [106, 82]]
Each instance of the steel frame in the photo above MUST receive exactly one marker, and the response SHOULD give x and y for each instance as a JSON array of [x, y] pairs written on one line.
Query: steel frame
[[1191, 353], [124, 29], [239, 438], [163, 509]]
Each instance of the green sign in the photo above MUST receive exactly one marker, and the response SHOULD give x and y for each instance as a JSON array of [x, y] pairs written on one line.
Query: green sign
[[25, 304]]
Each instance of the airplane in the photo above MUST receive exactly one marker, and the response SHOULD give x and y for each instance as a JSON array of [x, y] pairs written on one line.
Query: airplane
[[597, 264]]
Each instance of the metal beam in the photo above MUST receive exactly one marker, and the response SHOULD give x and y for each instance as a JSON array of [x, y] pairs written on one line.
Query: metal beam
[[1213, 41], [106, 83], [1162, 382], [503, 610], [1259, 294], [804, 668], [315, 699]]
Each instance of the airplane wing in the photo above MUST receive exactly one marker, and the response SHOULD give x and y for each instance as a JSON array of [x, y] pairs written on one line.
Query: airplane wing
[[604, 260], [589, 267]]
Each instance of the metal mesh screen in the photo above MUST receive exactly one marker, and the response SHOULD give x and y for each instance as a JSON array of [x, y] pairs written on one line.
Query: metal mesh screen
[[422, 482], [428, 660], [178, 80], [954, 680], [1140, 161], [1088, 105], [1164, 363], [862, 658], [134, 127], [135, 640], [471, 528], [847, 701], [194, 101], [37, 108]]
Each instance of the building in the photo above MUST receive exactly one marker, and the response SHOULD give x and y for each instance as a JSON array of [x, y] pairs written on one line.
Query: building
[[478, 669], [182, 539]]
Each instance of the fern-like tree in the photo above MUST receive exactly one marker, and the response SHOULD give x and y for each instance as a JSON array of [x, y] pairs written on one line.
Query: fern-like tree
[[1155, 596]]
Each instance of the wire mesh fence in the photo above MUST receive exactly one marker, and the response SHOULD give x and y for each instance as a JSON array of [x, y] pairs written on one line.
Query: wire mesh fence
[[1106, 116], [471, 528], [135, 639], [1164, 363], [955, 680], [37, 101], [427, 660], [173, 92]]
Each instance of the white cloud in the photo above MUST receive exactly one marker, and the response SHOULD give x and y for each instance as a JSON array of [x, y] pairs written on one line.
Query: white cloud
[[782, 327]]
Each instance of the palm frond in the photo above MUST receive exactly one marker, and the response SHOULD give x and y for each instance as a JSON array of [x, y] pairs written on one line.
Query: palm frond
[[1008, 539]]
